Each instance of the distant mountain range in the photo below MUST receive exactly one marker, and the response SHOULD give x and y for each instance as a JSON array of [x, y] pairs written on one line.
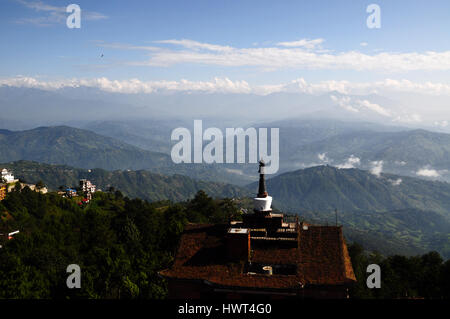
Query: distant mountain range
[[306, 143], [416, 153], [147, 134], [317, 132], [39, 107]]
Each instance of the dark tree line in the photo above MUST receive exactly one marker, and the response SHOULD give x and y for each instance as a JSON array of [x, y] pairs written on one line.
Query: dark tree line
[[426, 276]]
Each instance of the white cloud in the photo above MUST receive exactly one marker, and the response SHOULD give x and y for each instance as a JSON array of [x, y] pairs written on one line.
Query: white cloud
[[408, 118], [441, 123], [396, 182], [305, 43], [427, 172], [377, 168], [217, 85], [344, 102], [52, 14], [240, 86], [374, 107], [41, 6], [195, 45], [301, 54], [323, 157], [346, 87], [364, 44], [351, 162], [355, 105]]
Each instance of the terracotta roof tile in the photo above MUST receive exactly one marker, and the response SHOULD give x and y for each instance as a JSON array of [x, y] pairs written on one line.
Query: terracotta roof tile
[[321, 259]]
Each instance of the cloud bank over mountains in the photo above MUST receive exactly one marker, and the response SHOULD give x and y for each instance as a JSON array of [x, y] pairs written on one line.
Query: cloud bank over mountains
[[225, 85], [397, 101]]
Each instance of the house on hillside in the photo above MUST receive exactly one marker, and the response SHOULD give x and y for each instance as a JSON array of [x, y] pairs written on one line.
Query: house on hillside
[[7, 177], [88, 188], [33, 187], [2, 192], [70, 192], [264, 255]]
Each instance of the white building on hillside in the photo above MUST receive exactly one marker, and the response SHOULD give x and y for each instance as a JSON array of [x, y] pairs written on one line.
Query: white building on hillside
[[7, 176], [87, 186]]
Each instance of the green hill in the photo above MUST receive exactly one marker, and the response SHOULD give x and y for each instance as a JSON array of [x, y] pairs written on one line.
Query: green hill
[[324, 188], [75, 147], [392, 214], [85, 149], [142, 184]]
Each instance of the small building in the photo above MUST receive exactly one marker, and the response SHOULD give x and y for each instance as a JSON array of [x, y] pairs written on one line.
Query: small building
[[87, 186], [3, 191], [12, 186], [88, 189], [33, 187], [8, 236], [70, 192], [7, 177], [11, 234], [84, 202], [265, 256]]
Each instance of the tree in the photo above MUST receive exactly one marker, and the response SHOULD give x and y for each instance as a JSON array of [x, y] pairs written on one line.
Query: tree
[[40, 185], [17, 187], [445, 279]]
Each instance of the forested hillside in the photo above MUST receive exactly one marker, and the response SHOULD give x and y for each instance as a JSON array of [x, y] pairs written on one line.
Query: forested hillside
[[325, 188], [389, 213], [142, 184], [70, 146], [121, 244]]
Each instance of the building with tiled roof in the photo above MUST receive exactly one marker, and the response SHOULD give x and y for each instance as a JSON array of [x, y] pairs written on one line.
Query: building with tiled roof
[[264, 255], [3, 191]]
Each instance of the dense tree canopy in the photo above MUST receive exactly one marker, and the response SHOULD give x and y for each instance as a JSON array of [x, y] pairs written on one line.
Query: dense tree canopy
[[119, 243], [426, 276]]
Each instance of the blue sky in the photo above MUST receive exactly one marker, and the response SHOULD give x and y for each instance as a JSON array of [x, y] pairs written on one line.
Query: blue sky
[[247, 47], [37, 42]]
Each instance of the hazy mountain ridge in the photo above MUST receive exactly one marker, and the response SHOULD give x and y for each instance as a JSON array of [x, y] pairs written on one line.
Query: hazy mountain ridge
[[60, 105], [421, 146], [401, 152]]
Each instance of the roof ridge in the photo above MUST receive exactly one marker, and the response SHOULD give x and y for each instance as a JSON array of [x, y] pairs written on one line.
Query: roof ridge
[[344, 255]]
